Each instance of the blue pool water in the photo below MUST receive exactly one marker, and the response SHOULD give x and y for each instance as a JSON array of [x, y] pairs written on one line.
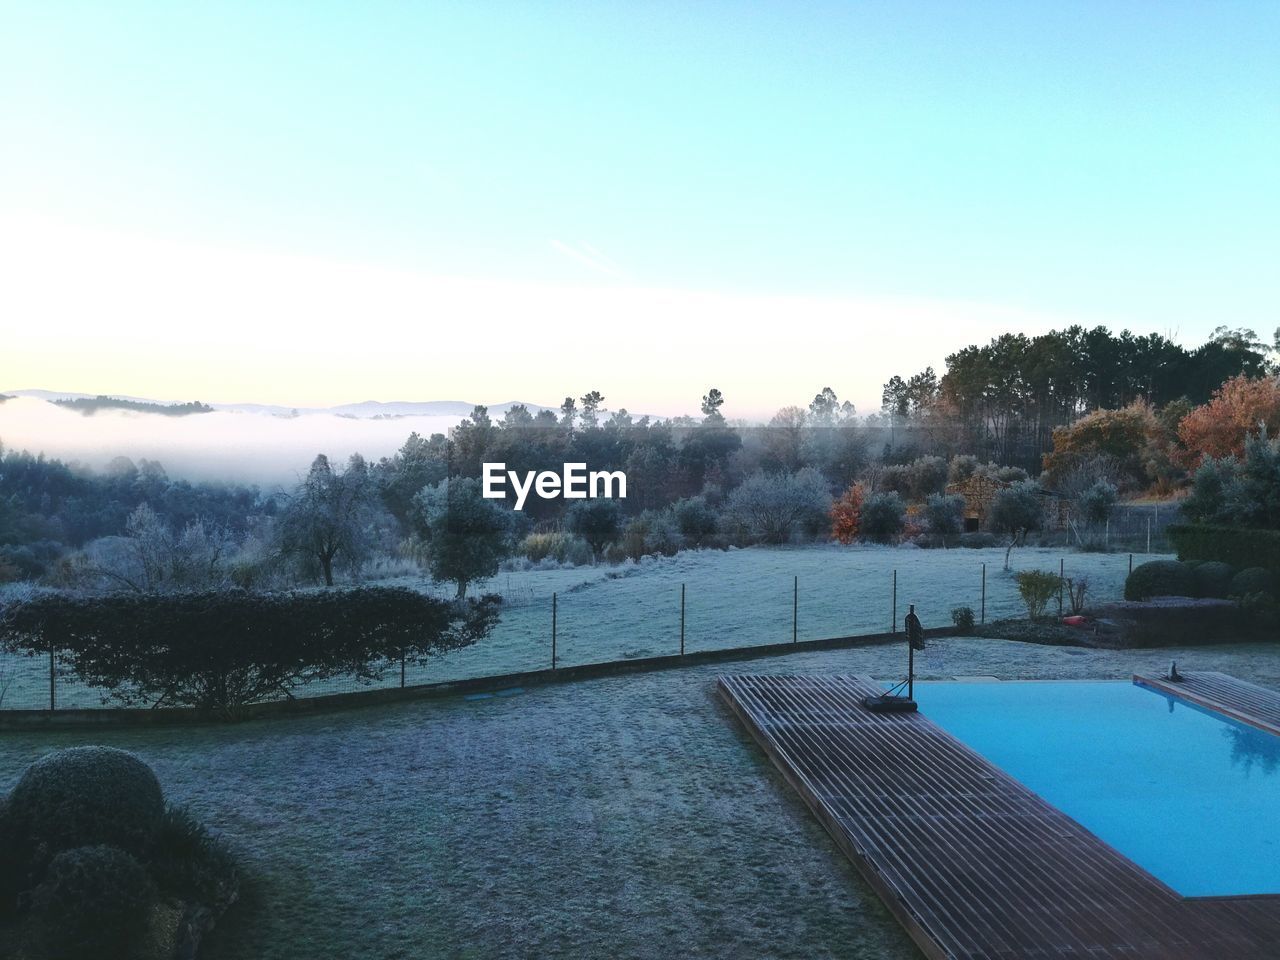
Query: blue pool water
[[1191, 797]]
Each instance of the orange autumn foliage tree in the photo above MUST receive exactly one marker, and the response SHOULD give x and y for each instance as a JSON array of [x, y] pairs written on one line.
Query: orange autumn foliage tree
[[1239, 408], [846, 514]]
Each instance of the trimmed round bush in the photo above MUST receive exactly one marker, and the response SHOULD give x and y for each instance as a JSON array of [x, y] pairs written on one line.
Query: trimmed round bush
[[1253, 580], [1213, 579], [83, 797], [93, 902], [1159, 578]]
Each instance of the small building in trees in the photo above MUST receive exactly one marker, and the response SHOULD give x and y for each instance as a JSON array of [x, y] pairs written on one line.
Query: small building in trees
[[979, 492]]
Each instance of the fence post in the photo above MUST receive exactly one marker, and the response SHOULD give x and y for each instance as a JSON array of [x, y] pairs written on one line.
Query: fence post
[[1148, 544], [984, 594], [1131, 558], [795, 610], [682, 619], [52, 683], [553, 631], [893, 622], [1062, 573], [402, 670]]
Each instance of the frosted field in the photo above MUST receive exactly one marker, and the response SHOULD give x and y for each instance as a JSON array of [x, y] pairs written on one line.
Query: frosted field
[[734, 598]]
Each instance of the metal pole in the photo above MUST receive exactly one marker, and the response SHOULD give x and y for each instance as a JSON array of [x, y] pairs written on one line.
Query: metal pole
[[402, 671], [682, 619], [1106, 537], [911, 669], [893, 623], [1148, 541], [984, 593], [795, 610], [1131, 561], [1062, 572], [553, 631], [52, 675]]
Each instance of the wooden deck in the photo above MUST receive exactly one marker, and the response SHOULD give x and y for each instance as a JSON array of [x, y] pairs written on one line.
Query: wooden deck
[[972, 863], [1238, 699]]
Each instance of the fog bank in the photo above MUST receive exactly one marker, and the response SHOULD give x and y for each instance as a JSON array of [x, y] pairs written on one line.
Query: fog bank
[[223, 445]]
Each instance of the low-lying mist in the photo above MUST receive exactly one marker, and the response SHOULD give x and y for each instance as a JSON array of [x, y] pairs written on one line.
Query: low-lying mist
[[223, 445]]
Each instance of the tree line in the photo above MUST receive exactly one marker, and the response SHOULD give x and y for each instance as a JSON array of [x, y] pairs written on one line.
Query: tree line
[[1115, 427], [1004, 400]]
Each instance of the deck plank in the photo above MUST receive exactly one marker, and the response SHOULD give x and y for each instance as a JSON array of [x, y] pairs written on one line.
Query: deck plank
[[972, 863], [1243, 701]]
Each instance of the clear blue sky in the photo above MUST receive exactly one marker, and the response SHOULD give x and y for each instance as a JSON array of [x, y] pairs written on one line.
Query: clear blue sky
[[1112, 161]]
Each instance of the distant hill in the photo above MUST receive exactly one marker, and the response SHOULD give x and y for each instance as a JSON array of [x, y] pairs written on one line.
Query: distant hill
[[91, 405], [364, 410]]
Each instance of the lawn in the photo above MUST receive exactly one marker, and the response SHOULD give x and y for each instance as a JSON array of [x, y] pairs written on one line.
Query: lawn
[[620, 817], [733, 598]]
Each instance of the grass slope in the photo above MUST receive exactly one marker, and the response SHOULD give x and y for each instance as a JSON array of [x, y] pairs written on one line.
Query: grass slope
[[733, 598]]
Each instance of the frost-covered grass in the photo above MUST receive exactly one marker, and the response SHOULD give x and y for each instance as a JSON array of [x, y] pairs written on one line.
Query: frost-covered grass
[[734, 598], [621, 817]]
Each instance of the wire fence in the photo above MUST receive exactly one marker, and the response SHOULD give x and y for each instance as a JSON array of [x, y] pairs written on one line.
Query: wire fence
[[554, 619], [1141, 528]]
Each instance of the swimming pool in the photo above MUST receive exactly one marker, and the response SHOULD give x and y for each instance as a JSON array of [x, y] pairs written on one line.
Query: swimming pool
[[1188, 795]]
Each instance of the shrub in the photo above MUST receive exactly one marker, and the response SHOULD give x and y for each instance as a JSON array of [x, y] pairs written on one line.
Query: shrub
[[926, 475], [191, 864], [696, 520], [1097, 502], [895, 478], [1253, 580], [1213, 579], [1037, 588], [1003, 474], [771, 507], [1159, 578], [1262, 610], [225, 649], [1076, 588], [663, 536], [538, 546], [962, 467], [597, 521], [1239, 493], [963, 618], [1123, 436], [578, 553], [883, 516], [978, 541], [83, 797], [94, 901], [1239, 546], [945, 514], [846, 514], [634, 535]]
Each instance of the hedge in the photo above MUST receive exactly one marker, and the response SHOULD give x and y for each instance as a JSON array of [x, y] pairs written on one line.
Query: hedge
[[1241, 547], [1159, 578], [224, 649]]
